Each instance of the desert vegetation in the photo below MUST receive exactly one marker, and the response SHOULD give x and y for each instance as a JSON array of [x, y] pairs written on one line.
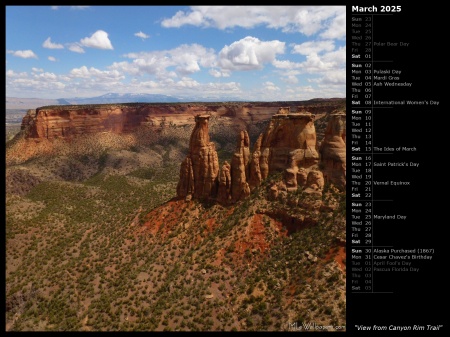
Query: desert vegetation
[[96, 241]]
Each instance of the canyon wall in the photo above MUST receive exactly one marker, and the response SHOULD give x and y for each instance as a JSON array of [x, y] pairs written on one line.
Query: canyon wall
[[67, 121]]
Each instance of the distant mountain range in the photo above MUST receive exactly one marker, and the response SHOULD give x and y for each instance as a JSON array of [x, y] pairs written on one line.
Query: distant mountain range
[[32, 103]]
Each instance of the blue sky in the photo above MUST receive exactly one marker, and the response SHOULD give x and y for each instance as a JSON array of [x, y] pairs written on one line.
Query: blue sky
[[242, 52]]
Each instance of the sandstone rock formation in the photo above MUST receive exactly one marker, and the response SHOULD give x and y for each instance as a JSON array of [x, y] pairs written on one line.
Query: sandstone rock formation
[[240, 168], [255, 178], [333, 151], [288, 145], [200, 169], [66, 121], [224, 189]]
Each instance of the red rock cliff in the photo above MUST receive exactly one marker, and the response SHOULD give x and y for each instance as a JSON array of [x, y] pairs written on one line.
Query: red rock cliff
[[67, 121]]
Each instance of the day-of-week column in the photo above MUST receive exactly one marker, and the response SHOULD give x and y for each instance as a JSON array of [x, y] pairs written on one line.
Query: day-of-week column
[[361, 153]]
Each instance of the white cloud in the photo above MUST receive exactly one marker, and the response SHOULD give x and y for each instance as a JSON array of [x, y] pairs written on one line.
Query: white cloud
[[285, 64], [337, 56], [97, 40], [25, 54], [307, 89], [50, 45], [89, 73], [35, 85], [314, 63], [142, 35], [217, 73], [71, 7], [186, 59], [51, 58], [46, 76], [39, 83], [291, 79], [181, 18], [186, 82], [336, 77], [37, 70], [310, 47], [12, 73], [76, 48], [336, 29], [249, 53], [154, 63], [304, 19], [189, 58], [270, 86]]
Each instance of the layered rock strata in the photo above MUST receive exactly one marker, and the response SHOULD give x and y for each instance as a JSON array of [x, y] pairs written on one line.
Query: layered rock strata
[[333, 151], [240, 168], [200, 169], [67, 121], [288, 146]]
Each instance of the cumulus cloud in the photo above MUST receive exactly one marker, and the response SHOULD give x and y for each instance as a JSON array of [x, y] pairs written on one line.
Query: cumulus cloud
[[46, 76], [76, 48], [85, 72], [338, 56], [336, 77], [141, 35], [51, 58], [71, 7], [181, 18], [336, 29], [25, 54], [185, 59], [310, 47], [50, 45], [285, 64], [189, 58], [315, 63], [12, 73], [97, 40], [39, 82], [330, 20], [249, 53], [270, 86], [290, 79], [216, 73]]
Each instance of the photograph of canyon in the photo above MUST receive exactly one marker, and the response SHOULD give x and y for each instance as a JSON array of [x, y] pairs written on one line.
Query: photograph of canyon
[[175, 168]]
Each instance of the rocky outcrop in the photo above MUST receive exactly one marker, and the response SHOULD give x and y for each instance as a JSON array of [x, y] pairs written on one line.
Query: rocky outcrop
[[240, 168], [255, 178], [200, 169], [185, 185], [288, 146], [224, 189], [333, 151]]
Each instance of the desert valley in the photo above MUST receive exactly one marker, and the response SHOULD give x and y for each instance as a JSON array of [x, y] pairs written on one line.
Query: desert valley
[[177, 217]]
